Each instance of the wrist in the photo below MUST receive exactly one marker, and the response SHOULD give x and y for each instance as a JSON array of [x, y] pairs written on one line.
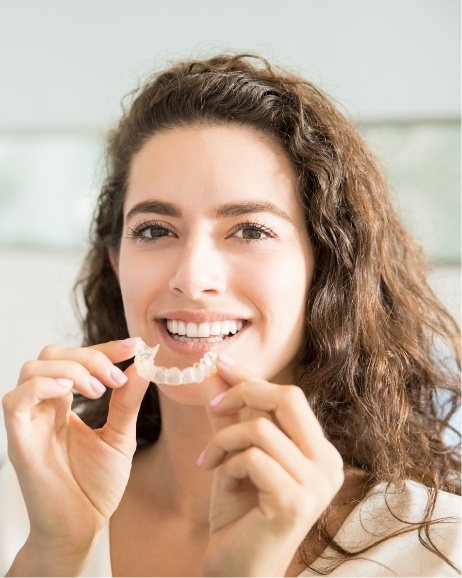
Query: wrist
[[50, 559]]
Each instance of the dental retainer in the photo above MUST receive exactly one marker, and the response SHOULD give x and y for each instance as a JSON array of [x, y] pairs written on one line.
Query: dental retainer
[[146, 368]]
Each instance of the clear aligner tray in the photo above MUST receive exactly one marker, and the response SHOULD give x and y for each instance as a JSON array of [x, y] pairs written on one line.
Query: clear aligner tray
[[146, 368]]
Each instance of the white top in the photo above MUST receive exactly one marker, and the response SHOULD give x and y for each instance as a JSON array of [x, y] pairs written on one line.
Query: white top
[[370, 520]]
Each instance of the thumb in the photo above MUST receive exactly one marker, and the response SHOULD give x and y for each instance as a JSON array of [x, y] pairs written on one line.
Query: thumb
[[212, 387], [227, 375], [231, 372], [124, 408]]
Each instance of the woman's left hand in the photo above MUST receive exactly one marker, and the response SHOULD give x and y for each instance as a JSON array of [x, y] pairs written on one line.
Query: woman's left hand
[[275, 473]]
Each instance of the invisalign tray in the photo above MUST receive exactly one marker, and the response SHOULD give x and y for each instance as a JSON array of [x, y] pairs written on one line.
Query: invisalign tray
[[144, 363]]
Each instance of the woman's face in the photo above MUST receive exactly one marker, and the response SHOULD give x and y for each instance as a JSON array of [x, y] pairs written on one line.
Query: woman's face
[[214, 250]]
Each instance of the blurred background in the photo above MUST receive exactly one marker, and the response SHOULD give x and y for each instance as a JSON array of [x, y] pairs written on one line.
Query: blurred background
[[393, 67]]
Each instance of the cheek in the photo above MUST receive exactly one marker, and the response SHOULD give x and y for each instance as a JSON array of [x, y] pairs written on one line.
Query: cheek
[[278, 285], [138, 282], [283, 278]]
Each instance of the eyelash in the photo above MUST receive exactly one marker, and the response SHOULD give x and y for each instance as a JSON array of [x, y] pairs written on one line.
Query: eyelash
[[270, 234], [137, 232]]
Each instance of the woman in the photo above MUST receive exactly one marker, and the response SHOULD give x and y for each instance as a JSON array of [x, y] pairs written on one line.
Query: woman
[[242, 211]]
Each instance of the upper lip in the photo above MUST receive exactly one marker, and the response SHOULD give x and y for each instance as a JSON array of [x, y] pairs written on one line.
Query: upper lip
[[201, 316]]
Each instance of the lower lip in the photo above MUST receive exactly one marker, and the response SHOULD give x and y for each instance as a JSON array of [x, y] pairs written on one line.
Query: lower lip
[[194, 348]]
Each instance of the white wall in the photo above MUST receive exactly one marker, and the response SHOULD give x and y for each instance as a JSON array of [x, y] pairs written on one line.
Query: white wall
[[67, 63]]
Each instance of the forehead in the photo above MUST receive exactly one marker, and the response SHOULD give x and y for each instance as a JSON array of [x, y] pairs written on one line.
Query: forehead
[[198, 167]]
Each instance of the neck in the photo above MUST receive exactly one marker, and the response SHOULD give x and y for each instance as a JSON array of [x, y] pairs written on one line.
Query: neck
[[166, 471]]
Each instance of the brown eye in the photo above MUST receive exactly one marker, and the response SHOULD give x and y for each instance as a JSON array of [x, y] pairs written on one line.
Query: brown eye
[[148, 232], [251, 233], [155, 232]]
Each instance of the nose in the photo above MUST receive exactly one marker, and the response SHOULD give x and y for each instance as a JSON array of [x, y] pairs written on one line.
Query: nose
[[199, 271]]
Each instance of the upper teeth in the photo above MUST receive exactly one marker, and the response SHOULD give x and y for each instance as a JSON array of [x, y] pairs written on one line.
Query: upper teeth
[[191, 329]]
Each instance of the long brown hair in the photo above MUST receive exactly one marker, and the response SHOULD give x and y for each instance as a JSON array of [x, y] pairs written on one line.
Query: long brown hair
[[380, 363]]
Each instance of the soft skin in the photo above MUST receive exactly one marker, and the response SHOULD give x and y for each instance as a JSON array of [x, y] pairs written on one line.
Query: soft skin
[[202, 263]]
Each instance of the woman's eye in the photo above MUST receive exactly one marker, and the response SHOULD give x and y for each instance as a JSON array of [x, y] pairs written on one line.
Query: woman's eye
[[149, 232], [155, 232], [251, 233]]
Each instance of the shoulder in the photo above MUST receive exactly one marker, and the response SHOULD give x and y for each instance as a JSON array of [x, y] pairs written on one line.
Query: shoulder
[[386, 522]]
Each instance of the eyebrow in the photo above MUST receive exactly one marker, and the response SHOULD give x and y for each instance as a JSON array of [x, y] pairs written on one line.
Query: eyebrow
[[236, 209], [225, 210], [158, 207]]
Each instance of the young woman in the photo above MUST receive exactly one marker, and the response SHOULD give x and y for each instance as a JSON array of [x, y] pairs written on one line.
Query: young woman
[[241, 211]]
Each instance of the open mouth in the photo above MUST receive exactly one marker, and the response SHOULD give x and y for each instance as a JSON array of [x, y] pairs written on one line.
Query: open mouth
[[210, 332]]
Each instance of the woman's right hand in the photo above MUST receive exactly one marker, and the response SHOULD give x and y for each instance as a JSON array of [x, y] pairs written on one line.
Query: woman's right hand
[[72, 477]]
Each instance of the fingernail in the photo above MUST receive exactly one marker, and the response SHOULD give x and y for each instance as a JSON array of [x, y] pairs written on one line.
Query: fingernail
[[64, 382], [200, 459], [96, 385], [216, 400], [118, 375], [130, 341], [226, 360]]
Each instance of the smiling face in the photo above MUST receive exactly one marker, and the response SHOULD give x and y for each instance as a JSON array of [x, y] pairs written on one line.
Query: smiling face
[[214, 251]]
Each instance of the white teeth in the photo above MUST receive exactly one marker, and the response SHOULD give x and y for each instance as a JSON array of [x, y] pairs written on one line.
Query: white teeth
[[215, 328], [203, 330], [191, 330], [144, 363]]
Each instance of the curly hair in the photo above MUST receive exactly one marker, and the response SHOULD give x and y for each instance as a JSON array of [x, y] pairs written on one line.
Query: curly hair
[[380, 360]]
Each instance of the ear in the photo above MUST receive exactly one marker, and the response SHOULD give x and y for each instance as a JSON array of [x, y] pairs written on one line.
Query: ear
[[114, 261]]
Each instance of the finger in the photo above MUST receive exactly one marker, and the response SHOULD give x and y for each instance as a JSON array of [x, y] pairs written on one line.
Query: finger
[[119, 350], [266, 474], [231, 372], [260, 433], [21, 400], [23, 403], [124, 407], [213, 387], [98, 360], [279, 495], [287, 403], [116, 351], [84, 382], [227, 375]]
